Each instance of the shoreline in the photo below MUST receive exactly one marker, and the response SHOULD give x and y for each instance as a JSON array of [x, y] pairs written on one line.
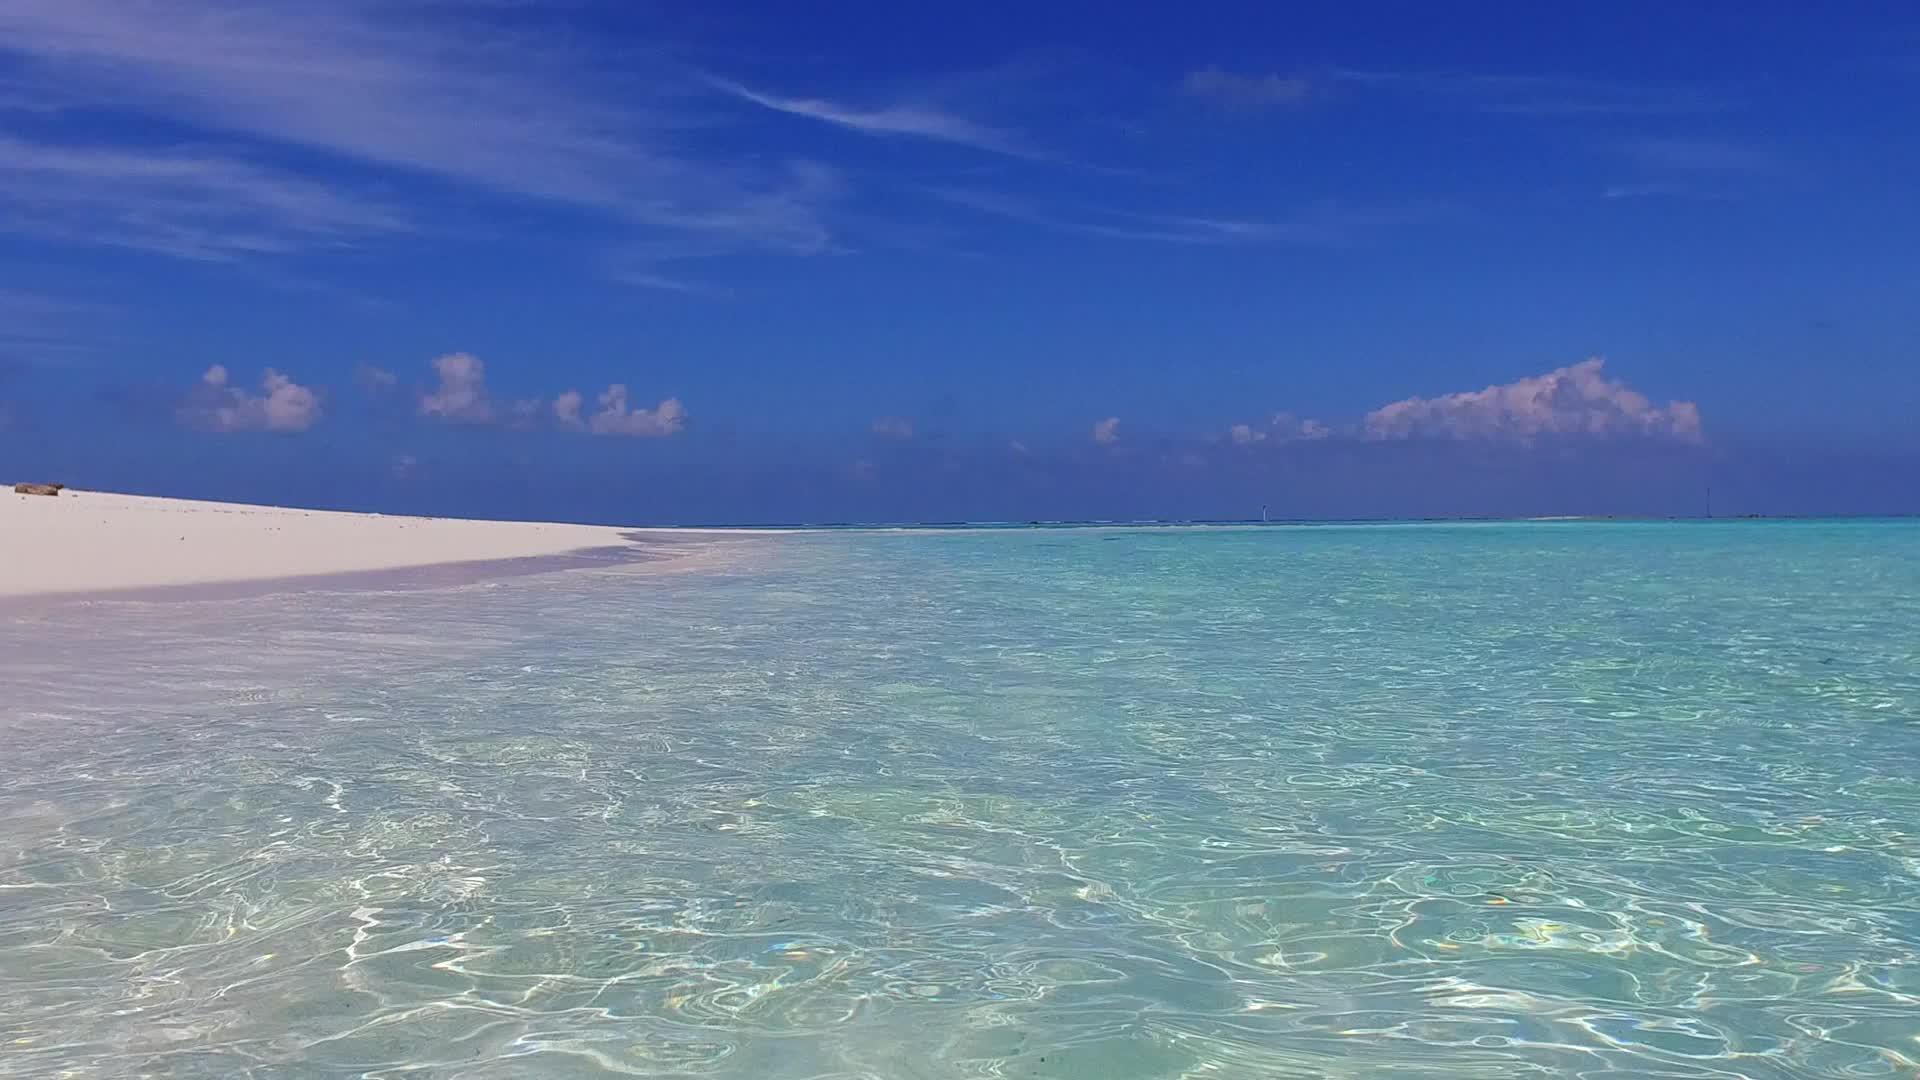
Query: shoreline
[[81, 545]]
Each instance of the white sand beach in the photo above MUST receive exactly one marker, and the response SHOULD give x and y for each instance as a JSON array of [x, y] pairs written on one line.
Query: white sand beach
[[87, 541]]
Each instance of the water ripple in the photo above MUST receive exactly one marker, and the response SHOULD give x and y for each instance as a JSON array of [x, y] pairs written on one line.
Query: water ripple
[[1595, 801]]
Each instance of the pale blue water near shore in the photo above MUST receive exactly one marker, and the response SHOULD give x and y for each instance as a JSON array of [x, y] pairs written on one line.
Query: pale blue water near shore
[[1507, 800]]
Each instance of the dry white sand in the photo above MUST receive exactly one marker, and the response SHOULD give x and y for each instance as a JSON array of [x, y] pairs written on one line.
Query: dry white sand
[[86, 541]]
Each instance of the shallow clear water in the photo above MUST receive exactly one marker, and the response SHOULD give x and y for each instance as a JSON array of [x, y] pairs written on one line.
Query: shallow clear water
[[1596, 800]]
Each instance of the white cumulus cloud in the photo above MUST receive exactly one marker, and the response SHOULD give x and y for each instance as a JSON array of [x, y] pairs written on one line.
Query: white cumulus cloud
[[617, 416], [1282, 427], [461, 392], [1107, 432], [893, 427], [281, 405], [1575, 400]]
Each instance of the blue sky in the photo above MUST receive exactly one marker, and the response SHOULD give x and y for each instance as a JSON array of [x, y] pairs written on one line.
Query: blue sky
[[889, 262]]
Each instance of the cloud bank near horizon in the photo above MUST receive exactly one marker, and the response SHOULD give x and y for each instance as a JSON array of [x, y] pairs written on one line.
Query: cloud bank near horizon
[[1578, 401]]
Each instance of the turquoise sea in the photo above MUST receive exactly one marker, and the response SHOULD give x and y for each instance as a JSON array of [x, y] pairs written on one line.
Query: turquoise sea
[[1571, 799]]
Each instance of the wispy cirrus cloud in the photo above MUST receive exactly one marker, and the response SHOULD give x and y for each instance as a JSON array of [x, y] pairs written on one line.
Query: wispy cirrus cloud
[[192, 205], [37, 326], [1542, 96], [1234, 90], [893, 427], [373, 379], [1106, 432], [641, 278], [1325, 226], [911, 120], [1691, 167], [28, 307], [461, 94], [1699, 155], [1663, 189]]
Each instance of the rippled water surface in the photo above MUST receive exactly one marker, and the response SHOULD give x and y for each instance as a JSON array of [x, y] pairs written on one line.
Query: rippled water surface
[[1530, 800]]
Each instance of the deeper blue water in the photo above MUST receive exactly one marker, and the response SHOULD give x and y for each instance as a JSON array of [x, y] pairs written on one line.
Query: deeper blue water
[[1498, 800]]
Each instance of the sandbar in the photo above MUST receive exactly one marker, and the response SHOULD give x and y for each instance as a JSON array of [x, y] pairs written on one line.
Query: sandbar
[[85, 542]]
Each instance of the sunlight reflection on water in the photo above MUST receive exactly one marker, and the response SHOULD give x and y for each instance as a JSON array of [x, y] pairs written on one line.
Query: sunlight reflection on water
[[1574, 800]]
